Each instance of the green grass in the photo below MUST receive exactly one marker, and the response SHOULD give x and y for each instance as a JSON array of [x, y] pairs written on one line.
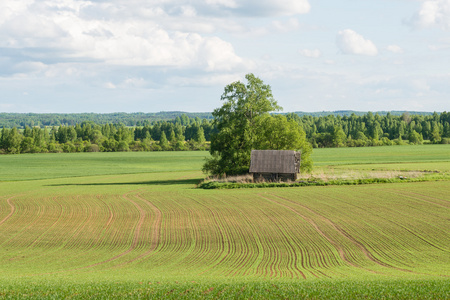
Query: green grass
[[411, 157], [145, 289], [134, 225], [62, 165], [382, 155], [208, 185]]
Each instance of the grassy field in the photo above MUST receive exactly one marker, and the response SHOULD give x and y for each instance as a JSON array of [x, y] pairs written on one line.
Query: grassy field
[[62, 165], [134, 225]]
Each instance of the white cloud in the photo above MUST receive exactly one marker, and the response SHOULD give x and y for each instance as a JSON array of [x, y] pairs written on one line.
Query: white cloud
[[29, 66], [9, 8], [134, 83], [110, 85], [420, 84], [275, 27], [175, 33], [315, 53], [226, 3], [6, 106], [278, 7], [202, 81], [395, 49], [289, 25], [263, 8], [439, 47], [350, 42], [188, 11], [117, 32], [215, 54], [433, 13], [225, 8]]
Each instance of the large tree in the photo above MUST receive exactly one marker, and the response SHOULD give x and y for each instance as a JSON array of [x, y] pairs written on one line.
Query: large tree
[[240, 123], [279, 133]]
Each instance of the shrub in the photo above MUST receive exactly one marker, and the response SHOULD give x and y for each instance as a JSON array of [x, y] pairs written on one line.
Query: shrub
[[123, 146], [92, 148], [54, 148]]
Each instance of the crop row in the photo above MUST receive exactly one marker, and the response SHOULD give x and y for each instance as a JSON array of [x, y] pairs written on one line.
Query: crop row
[[399, 227], [289, 233]]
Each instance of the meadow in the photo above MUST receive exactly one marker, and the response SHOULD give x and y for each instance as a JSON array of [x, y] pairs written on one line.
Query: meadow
[[134, 225]]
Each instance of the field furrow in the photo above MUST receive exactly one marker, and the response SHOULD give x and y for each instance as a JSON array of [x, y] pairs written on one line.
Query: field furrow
[[155, 228], [134, 233], [151, 243], [12, 210], [339, 248], [350, 238]]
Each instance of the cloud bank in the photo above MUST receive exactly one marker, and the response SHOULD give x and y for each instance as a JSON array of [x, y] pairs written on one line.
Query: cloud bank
[[350, 42], [314, 53], [113, 33], [134, 55], [433, 13]]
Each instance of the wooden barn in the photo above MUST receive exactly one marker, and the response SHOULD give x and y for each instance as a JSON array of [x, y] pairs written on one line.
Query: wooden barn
[[275, 165]]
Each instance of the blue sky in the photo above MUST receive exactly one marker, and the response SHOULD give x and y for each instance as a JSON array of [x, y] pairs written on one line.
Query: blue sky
[[69, 56]]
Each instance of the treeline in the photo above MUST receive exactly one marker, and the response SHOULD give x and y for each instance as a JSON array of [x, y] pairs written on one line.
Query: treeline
[[349, 113], [186, 132], [21, 120], [91, 137], [374, 129], [18, 120]]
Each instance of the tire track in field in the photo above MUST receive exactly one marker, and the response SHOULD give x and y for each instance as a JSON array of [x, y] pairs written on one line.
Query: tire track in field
[[341, 251], [154, 242], [13, 209], [135, 239], [157, 224], [156, 229], [111, 213], [350, 238]]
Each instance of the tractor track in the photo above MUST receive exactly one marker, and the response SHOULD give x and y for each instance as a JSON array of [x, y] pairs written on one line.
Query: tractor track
[[13, 209], [156, 229]]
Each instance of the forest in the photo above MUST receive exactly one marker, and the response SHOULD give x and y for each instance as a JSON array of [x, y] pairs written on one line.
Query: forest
[[153, 132], [20, 120]]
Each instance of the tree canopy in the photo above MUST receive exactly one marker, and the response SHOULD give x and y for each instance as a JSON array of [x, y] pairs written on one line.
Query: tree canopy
[[244, 123]]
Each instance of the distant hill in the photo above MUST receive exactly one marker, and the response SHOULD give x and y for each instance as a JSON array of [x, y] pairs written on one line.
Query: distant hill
[[20, 120], [359, 113]]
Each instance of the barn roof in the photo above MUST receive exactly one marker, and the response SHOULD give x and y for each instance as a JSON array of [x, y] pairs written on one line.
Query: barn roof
[[273, 161]]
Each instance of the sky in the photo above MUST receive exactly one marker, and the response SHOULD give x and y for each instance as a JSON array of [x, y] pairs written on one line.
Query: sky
[[103, 56]]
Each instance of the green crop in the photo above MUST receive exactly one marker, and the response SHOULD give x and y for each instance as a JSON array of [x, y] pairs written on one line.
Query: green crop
[[112, 233], [64, 165]]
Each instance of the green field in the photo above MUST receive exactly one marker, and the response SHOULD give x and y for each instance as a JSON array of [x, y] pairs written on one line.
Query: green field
[[134, 225]]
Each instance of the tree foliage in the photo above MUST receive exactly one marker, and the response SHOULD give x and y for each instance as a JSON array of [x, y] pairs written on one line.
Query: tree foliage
[[243, 123], [279, 133], [88, 132]]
